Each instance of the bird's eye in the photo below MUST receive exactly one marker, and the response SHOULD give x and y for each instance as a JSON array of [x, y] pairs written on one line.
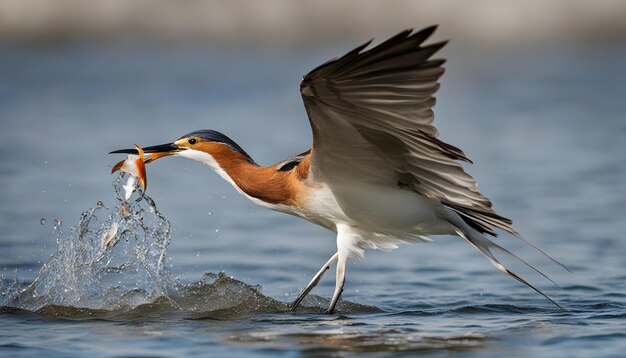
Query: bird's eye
[[192, 141]]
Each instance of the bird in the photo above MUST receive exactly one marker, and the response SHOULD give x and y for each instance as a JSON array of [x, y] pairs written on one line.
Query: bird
[[376, 173]]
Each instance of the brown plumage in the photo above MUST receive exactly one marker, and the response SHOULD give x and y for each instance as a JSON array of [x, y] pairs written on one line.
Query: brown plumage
[[261, 182]]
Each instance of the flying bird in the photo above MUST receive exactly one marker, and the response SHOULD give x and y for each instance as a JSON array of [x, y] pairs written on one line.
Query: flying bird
[[376, 173]]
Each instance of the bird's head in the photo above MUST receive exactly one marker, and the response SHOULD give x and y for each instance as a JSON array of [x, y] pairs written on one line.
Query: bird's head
[[207, 146]]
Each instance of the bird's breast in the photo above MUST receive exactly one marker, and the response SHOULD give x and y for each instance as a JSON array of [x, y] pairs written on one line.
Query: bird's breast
[[374, 208]]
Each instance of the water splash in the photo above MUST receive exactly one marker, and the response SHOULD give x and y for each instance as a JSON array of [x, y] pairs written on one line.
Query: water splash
[[110, 263], [115, 269]]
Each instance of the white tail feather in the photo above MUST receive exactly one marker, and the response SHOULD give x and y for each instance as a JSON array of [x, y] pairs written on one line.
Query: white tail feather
[[544, 254], [484, 246]]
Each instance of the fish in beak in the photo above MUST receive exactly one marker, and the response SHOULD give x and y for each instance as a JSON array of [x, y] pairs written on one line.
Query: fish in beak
[[136, 162], [134, 165]]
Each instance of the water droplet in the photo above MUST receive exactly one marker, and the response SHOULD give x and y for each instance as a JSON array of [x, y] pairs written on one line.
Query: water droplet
[[42, 221], [99, 205]]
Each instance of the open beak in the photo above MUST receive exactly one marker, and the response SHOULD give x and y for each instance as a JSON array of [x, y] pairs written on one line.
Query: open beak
[[156, 152]]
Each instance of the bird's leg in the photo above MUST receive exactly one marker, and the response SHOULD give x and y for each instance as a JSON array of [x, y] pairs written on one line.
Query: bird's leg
[[314, 281], [340, 280]]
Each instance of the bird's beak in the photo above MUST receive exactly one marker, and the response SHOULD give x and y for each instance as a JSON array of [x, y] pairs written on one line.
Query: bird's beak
[[156, 152], [135, 164]]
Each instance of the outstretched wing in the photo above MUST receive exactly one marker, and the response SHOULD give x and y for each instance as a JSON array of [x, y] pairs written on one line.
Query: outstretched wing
[[371, 116]]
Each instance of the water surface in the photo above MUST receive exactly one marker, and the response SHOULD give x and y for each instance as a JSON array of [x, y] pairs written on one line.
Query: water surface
[[546, 128]]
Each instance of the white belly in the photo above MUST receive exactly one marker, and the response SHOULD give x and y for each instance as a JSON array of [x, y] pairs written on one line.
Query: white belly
[[377, 209]]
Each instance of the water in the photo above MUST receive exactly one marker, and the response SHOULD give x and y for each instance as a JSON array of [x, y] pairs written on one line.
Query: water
[[208, 273], [112, 263]]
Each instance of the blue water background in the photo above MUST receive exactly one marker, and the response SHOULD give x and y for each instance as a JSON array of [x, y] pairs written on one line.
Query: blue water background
[[545, 127]]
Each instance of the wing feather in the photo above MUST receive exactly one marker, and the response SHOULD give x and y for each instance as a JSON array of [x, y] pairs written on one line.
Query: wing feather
[[371, 116]]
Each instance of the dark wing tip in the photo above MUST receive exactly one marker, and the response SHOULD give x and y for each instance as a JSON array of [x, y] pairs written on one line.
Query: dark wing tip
[[418, 37], [425, 33], [434, 63], [436, 46], [360, 48]]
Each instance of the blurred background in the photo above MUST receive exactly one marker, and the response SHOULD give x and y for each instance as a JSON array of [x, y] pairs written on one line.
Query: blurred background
[[533, 93], [292, 23]]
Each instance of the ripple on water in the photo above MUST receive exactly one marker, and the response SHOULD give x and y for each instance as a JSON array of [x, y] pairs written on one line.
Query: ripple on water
[[223, 298], [339, 340]]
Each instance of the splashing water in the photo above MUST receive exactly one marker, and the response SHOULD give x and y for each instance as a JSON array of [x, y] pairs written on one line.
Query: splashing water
[[115, 269], [107, 263]]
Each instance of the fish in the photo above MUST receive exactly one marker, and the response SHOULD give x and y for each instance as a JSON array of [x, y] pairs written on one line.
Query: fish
[[135, 165]]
